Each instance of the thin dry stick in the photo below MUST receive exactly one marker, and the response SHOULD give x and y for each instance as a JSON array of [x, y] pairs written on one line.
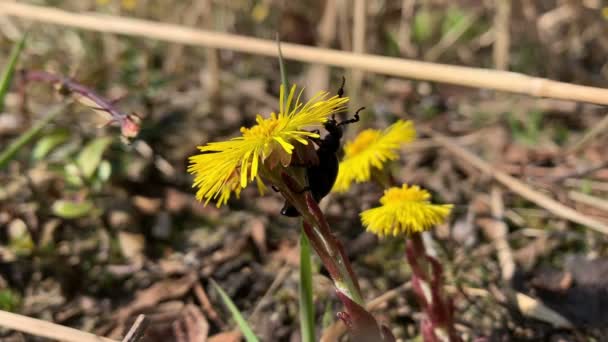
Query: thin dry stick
[[580, 172], [278, 280], [471, 77], [589, 200], [517, 186], [359, 28], [502, 37], [405, 43], [46, 329], [212, 56], [137, 329], [594, 131], [499, 236], [317, 75], [343, 27], [593, 185], [191, 15]]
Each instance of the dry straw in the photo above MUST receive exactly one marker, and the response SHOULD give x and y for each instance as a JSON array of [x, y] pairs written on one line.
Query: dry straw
[[465, 76]]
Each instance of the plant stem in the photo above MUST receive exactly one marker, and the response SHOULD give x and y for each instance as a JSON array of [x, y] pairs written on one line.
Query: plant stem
[[427, 281]]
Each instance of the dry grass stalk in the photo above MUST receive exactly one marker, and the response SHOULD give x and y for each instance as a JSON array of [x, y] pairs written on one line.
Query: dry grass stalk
[[137, 329], [405, 42], [588, 137], [518, 186], [499, 236], [46, 329], [317, 75], [465, 76], [502, 36], [589, 200], [359, 28]]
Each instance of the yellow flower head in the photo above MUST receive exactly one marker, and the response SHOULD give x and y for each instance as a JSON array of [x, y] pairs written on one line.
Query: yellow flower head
[[228, 166], [404, 210], [371, 148]]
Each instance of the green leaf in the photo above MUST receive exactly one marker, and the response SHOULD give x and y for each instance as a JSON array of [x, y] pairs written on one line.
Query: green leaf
[[423, 26], [72, 175], [236, 314], [586, 187], [48, 142], [453, 19], [9, 70], [72, 209], [284, 80], [328, 315], [90, 156], [307, 309], [8, 154], [104, 171], [9, 300]]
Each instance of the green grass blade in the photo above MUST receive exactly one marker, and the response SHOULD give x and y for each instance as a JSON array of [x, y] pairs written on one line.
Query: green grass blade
[[307, 309], [236, 314], [26, 137], [284, 80], [9, 70]]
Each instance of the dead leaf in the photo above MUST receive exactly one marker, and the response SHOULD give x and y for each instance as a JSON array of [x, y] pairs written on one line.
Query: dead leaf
[[257, 231], [131, 245], [531, 307], [147, 205], [191, 326], [161, 291], [230, 336]]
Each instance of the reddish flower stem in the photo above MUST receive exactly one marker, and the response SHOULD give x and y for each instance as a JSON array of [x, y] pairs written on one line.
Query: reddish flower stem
[[427, 282], [67, 86], [361, 323]]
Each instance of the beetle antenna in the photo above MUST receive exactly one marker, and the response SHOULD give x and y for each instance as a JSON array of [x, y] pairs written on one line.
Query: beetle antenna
[[341, 90]]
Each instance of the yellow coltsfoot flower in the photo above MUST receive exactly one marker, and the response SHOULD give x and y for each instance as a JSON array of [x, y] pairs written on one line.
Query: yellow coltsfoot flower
[[404, 211], [371, 149], [228, 166]]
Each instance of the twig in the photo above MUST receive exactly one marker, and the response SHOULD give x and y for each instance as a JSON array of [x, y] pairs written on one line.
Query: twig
[[359, 28], [594, 131], [593, 185], [317, 75], [38, 327], [466, 76], [137, 329], [406, 47], [580, 173], [519, 187], [502, 37], [278, 280], [589, 200], [499, 236], [202, 297]]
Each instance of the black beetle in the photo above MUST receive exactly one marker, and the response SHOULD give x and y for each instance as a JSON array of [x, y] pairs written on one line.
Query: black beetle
[[322, 176]]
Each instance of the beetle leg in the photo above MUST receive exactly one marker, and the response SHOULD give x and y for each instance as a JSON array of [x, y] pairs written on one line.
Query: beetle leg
[[354, 119]]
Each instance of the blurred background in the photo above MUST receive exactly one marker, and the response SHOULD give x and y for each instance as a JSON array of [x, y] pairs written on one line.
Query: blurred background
[[95, 230]]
